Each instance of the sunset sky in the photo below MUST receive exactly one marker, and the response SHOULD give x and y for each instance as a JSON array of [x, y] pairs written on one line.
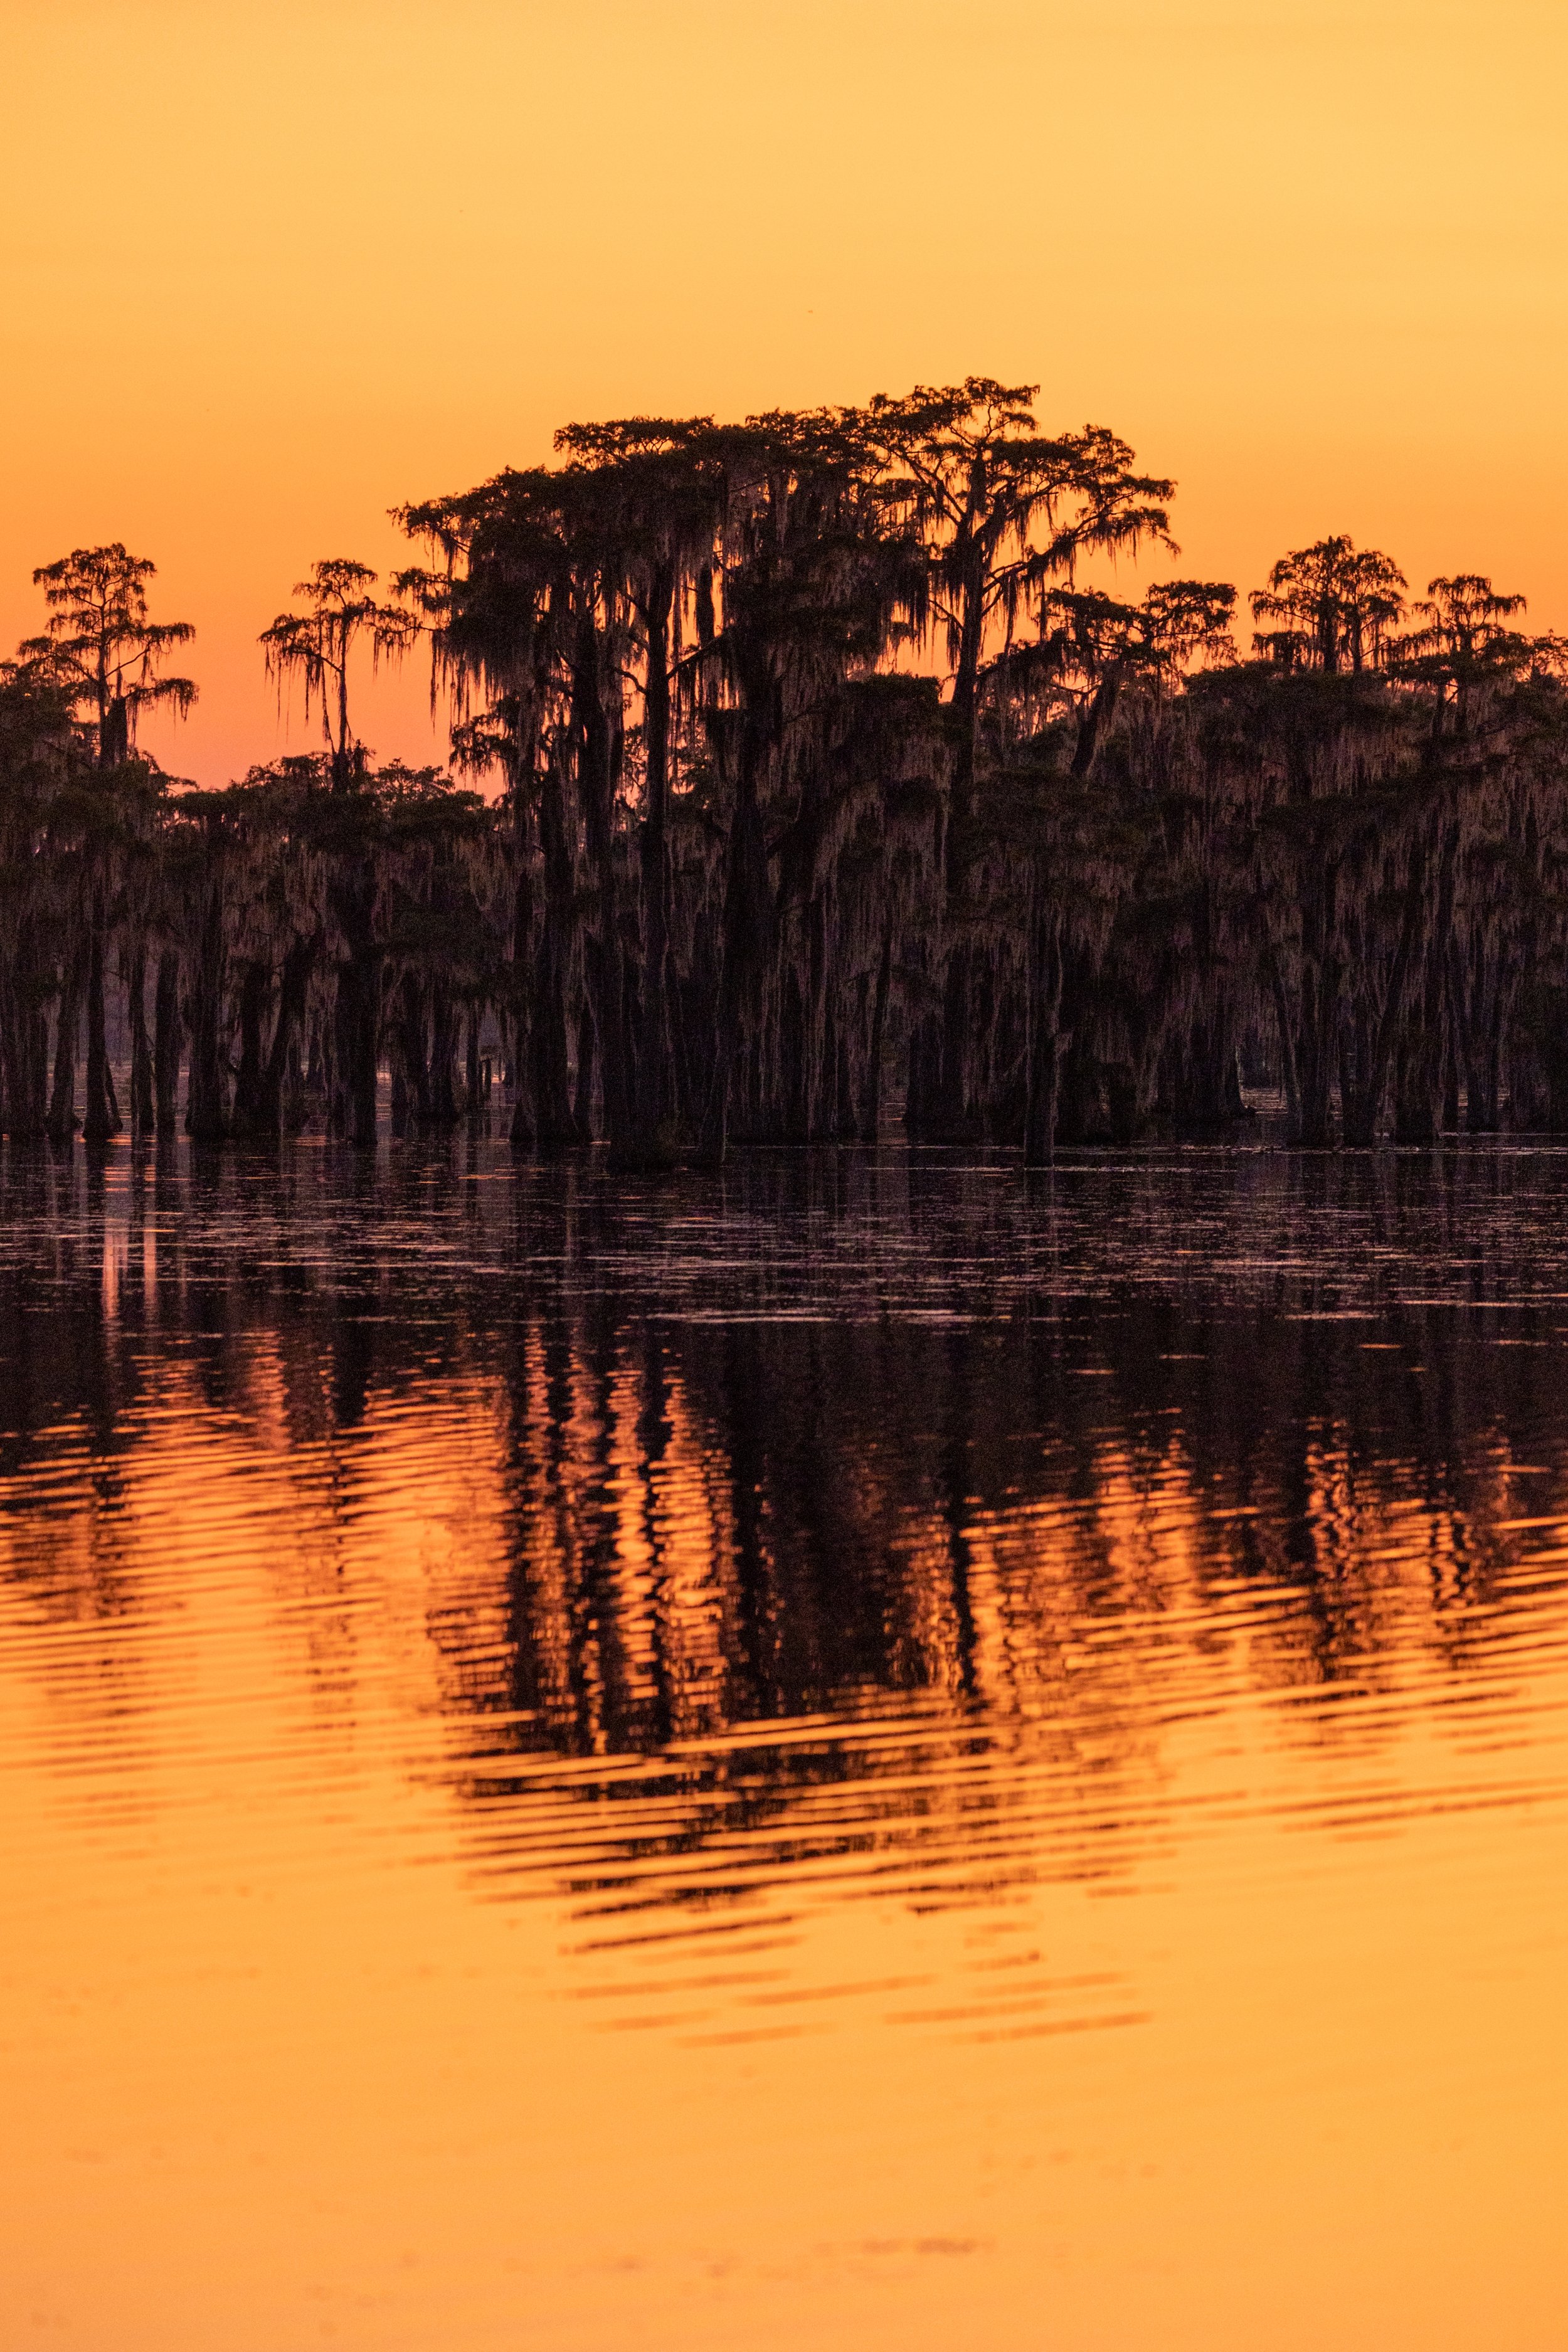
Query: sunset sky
[[270, 269]]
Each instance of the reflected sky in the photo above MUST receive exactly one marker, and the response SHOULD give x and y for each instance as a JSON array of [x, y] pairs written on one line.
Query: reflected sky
[[808, 1753]]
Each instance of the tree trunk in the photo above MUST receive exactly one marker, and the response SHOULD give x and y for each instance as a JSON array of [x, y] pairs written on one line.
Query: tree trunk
[[474, 1089], [1319, 1014], [62, 1118], [356, 1029], [206, 1091], [293, 988], [651, 1139], [1419, 1060], [444, 1110], [1043, 1035], [254, 991], [876, 1050], [102, 1119], [24, 1041], [166, 1028], [748, 935], [554, 1122], [135, 977], [598, 765]]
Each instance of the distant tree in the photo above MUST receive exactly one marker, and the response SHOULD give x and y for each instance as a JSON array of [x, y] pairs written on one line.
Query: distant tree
[[660, 484], [818, 576], [42, 756], [104, 652], [1091, 647], [1474, 852], [563, 601], [1462, 650], [101, 645], [316, 646], [1052, 702], [1005, 510], [1336, 606]]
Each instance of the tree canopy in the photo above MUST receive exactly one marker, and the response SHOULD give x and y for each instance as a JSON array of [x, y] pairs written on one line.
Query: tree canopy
[[808, 774]]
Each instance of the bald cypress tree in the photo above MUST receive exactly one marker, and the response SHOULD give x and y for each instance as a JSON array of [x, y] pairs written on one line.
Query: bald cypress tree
[[317, 648], [105, 652], [1003, 510], [829, 771]]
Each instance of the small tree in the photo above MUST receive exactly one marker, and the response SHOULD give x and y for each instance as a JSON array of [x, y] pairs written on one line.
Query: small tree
[[101, 645], [315, 645], [100, 650], [1334, 604]]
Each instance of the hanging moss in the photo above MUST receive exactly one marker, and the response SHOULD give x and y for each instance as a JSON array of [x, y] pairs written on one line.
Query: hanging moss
[[824, 793]]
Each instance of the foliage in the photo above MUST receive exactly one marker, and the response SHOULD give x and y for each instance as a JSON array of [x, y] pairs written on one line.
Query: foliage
[[830, 783]]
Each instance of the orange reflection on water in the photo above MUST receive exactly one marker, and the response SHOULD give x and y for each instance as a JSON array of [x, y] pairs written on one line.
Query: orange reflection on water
[[572, 1827]]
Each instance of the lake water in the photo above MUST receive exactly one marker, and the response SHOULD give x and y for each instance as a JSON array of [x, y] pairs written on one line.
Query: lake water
[[872, 1753]]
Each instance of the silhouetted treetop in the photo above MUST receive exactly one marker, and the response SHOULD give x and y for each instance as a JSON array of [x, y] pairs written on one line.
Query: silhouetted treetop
[[1337, 605], [843, 782], [315, 646], [103, 647]]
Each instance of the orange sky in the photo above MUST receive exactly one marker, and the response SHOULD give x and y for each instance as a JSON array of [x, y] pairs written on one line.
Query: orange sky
[[271, 269]]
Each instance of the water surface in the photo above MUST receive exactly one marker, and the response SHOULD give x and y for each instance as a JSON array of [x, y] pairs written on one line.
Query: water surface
[[876, 1751]]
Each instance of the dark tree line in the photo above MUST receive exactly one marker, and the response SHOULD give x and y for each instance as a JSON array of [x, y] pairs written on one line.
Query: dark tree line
[[822, 791]]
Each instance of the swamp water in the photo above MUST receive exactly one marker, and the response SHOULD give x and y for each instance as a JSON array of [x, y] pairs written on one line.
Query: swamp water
[[874, 1752]]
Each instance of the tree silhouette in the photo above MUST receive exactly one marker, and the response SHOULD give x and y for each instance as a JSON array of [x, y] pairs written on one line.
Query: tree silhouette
[[101, 650], [834, 789], [101, 645], [1336, 606], [316, 645], [1005, 511]]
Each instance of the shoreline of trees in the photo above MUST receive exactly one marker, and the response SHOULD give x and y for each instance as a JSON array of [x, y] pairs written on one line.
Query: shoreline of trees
[[827, 795]]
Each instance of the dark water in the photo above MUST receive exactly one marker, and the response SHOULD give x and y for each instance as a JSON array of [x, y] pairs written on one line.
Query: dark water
[[879, 1749]]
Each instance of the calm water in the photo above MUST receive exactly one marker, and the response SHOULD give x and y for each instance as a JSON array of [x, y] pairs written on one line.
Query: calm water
[[873, 1753]]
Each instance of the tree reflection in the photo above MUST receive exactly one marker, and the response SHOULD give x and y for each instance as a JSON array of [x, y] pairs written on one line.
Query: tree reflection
[[833, 1508]]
